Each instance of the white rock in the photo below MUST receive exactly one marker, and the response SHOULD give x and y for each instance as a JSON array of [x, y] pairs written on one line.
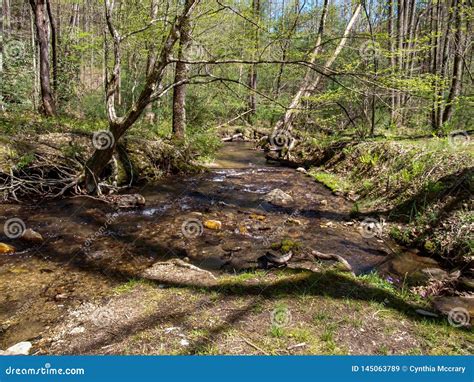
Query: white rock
[[184, 342], [32, 236], [302, 170], [78, 330], [21, 348], [278, 197]]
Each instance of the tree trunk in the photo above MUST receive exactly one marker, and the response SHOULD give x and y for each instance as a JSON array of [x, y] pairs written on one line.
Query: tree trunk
[[54, 46], [308, 86], [180, 77], [252, 75], [119, 125], [460, 40], [150, 116], [48, 106]]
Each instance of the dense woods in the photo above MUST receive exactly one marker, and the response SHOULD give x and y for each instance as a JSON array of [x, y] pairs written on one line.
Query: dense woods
[[371, 67], [206, 146]]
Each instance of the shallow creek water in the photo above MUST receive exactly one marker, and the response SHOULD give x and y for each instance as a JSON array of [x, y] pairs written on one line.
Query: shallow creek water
[[90, 246]]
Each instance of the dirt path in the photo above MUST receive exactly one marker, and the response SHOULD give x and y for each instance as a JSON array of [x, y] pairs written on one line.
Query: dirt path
[[73, 294]]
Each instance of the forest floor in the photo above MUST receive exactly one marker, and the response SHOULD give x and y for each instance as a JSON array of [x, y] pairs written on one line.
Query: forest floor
[[120, 292]]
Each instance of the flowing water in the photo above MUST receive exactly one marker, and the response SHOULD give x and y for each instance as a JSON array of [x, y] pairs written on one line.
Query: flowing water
[[90, 246]]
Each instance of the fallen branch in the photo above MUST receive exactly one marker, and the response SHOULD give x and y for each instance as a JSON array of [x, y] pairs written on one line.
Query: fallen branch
[[332, 256]]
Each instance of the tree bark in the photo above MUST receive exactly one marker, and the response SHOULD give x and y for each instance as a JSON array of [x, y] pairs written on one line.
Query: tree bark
[[252, 75], [180, 77], [48, 105], [54, 46], [150, 116], [460, 40]]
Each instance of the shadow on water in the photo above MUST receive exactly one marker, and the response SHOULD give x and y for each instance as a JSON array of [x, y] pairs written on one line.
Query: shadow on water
[[88, 238]]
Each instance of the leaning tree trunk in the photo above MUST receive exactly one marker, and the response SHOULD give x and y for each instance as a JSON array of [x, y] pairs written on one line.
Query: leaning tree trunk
[[252, 75], [95, 166], [48, 106], [308, 86]]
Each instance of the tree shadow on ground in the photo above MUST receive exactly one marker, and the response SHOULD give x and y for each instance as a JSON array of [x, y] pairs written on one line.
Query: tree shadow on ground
[[289, 283]]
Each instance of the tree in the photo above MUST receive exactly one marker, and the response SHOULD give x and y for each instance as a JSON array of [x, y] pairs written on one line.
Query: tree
[[180, 77], [39, 10], [150, 92], [308, 86]]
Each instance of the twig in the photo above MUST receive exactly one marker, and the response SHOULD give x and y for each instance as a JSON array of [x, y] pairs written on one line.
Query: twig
[[254, 346]]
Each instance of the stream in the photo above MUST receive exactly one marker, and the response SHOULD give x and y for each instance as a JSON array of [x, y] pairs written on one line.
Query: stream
[[90, 246]]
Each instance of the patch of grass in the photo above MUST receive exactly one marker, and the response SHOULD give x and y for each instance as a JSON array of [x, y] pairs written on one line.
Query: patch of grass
[[25, 160], [300, 334], [277, 331], [130, 285], [331, 181]]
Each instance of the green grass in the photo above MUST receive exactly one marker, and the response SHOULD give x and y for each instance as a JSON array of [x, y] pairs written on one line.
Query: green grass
[[331, 181]]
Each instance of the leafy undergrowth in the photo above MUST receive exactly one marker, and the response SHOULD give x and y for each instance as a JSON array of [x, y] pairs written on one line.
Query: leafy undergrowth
[[423, 187], [280, 312]]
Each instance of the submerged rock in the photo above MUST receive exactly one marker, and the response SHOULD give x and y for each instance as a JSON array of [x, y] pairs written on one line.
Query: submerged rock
[[278, 197], [126, 201], [213, 224], [32, 236], [6, 249]]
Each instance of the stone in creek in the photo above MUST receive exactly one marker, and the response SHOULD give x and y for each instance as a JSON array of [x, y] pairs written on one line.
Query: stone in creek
[[21, 348], [6, 249], [302, 170], [278, 197], [213, 224], [77, 330], [126, 201], [32, 236]]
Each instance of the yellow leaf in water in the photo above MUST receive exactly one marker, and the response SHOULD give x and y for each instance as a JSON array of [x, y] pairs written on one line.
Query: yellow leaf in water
[[213, 224], [243, 230], [257, 217], [5, 248]]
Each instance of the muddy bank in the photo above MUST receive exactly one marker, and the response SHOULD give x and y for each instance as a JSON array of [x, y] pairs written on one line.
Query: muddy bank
[[422, 188], [49, 165]]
